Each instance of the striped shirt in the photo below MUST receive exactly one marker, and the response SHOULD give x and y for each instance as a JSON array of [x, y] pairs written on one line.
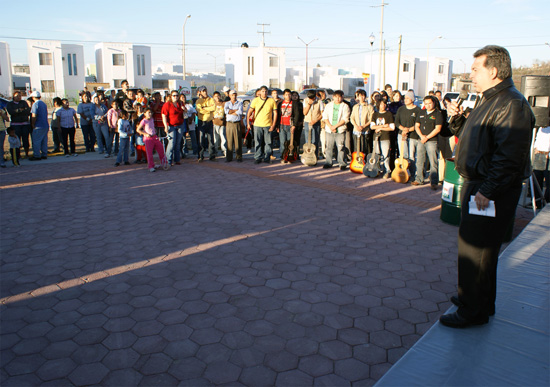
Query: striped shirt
[[66, 117]]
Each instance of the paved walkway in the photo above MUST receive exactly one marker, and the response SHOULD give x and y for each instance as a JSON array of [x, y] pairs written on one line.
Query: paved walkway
[[215, 273]]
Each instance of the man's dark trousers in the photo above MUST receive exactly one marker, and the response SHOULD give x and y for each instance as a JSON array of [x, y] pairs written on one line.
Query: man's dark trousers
[[479, 242]]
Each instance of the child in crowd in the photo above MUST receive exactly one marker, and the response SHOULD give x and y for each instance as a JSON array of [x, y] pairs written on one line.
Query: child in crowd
[[15, 144], [146, 128], [125, 132], [141, 156], [141, 99], [112, 121]]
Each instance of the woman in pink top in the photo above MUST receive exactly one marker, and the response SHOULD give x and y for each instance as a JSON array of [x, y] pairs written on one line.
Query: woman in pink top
[[112, 120], [147, 129]]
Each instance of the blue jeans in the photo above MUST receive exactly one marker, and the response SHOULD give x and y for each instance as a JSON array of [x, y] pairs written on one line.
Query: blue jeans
[[429, 148], [2, 139], [262, 135], [206, 138], [89, 136], [40, 142], [123, 150], [194, 144], [315, 135], [175, 134], [284, 135], [403, 147], [338, 139], [384, 148], [102, 135]]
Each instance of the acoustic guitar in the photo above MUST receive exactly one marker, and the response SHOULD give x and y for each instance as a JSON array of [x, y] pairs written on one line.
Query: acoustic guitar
[[290, 153], [401, 172], [357, 157], [308, 156], [372, 162]]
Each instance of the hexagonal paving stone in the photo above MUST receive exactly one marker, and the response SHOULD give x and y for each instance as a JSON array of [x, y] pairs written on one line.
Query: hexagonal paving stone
[[89, 354], [293, 378], [119, 359], [351, 369], [30, 346], [247, 357], [213, 353], [185, 369], [281, 361], [335, 350], [157, 363], [88, 374], [56, 369], [119, 340], [222, 372], [90, 336], [257, 376], [149, 344]]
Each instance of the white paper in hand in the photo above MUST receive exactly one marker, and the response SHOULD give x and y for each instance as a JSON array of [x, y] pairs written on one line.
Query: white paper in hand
[[489, 211]]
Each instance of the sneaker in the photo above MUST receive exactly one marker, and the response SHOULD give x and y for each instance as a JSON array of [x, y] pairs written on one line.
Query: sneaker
[[67, 155], [75, 154], [117, 164], [126, 163], [327, 166], [257, 161], [44, 157], [416, 183], [343, 168], [152, 169], [387, 175], [107, 155]]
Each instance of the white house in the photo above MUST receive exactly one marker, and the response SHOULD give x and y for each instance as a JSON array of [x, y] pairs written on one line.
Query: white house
[[57, 70], [116, 62], [345, 79], [6, 83], [412, 73], [251, 67]]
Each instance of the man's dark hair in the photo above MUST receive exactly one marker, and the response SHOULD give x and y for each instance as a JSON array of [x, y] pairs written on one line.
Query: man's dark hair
[[264, 87], [287, 91], [57, 101], [381, 101], [123, 82], [216, 92], [438, 91], [64, 99], [497, 57], [388, 85], [340, 93], [361, 92], [311, 94]]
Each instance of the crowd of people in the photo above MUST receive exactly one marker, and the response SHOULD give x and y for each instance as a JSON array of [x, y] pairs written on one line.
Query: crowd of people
[[134, 124]]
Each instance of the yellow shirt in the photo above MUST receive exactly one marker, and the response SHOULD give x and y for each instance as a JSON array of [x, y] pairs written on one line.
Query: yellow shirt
[[205, 108], [264, 117]]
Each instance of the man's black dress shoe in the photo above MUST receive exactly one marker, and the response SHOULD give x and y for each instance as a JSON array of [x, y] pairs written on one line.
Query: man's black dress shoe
[[454, 320], [456, 301]]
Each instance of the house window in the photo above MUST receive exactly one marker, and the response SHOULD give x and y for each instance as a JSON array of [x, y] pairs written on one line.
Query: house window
[[405, 86], [45, 58], [273, 61], [74, 64], [117, 83], [143, 65], [441, 69], [118, 59], [414, 72], [250, 65], [138, 65], [273, 83], [405, 67], [47, 86], [70, 63]]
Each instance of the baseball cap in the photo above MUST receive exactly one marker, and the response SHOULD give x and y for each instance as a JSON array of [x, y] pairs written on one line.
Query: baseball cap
[[35, 94], [225, 89], [232, 92]]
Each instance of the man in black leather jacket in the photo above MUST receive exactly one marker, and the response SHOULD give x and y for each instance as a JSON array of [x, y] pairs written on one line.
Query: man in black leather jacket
[[493, 158]]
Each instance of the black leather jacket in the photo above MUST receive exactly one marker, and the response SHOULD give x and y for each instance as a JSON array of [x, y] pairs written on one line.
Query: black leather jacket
[[494, 141]]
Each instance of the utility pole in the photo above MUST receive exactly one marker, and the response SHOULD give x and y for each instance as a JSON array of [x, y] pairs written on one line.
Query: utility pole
[[183, 48], [382, 5], [384, 62], [263, 32], [398, 63]]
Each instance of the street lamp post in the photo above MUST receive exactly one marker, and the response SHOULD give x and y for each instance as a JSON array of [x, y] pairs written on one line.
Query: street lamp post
[[215, 64], [371, 41], [307, 45], [428, 62], [183, 48]]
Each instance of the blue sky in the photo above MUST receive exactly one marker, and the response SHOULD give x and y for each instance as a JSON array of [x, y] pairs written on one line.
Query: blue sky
[[341, 26]]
